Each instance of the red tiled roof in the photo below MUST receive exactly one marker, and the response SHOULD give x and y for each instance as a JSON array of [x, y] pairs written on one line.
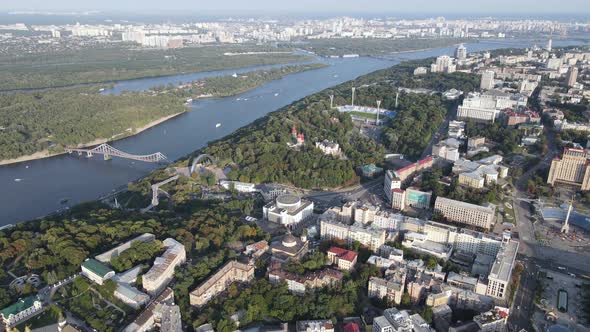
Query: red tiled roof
[[424, 161], [347, 255], [397, 190], [351, 327]]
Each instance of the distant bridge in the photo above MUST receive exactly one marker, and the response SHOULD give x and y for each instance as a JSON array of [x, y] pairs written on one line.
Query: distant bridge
[[108, 151]]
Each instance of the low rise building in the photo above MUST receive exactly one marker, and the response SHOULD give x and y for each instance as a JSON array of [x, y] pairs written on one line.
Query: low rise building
[[407, 173], [256, 249], [493, 320], [21, 311], [329, 147], [300, 284], [232, 271], [130, 295], [344, 259], [391, 287], [288, 210], [320, 325], [162, 272], [394, 320], [107, 256], [477, 174], [160, 314], [289, 248], [447, 149], [96, 271]]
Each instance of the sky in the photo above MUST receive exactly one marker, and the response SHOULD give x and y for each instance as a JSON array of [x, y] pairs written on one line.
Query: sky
[[486, 7]]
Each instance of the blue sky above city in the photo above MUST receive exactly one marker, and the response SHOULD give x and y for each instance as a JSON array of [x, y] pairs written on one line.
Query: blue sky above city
[[505, 7]]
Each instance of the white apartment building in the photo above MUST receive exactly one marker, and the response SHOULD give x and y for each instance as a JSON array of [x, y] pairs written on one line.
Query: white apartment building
[[487, 80], [447, 149], [444, 64], [465, 213], [162, 272], [328, 147], [366, 235], [501, 271], [390, 183]]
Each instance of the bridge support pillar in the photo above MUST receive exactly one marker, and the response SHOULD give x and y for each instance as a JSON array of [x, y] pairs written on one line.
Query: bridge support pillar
[[89, 154], [107, 157]]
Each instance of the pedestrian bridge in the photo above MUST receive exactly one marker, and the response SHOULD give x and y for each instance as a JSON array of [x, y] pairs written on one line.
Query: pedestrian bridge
[[108, 151]]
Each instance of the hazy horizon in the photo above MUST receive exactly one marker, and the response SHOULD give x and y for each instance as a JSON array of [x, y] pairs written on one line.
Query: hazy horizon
[[264, 7]]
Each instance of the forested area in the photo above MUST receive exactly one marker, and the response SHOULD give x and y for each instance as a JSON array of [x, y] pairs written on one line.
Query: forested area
[[261, 153], [372, 46], [32, 122], [55, 247], [229, 85], [95, 65]]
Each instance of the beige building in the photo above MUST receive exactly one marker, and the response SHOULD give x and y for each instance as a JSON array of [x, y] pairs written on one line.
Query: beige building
[[344, 259], [231, 272], [573, 168], [162, 272], [365, 234], [465, 213]]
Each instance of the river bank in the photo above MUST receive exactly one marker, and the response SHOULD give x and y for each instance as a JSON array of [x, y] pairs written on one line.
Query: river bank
[[48, 154]]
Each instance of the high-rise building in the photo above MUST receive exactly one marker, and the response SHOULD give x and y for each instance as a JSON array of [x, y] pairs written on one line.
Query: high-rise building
[[461, 52], [443, 64], [465, 213], [549, 45], [573, 168], [487, 80], [572, 76]]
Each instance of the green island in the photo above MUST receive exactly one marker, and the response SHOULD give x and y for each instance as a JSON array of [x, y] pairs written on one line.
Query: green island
[[372, 46], [43, 123], [40, 124], [98, 65], [230, 85]]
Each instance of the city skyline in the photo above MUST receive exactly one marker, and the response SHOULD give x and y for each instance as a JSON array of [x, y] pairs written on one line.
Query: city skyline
[[382, 7]]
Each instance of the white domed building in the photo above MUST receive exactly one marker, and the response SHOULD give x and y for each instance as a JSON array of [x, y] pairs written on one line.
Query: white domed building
[[288, 210]]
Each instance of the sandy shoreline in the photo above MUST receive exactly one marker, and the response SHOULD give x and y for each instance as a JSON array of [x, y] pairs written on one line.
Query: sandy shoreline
[[46, 154]]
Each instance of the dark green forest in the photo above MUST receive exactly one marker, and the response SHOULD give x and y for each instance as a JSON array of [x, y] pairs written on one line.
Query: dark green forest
[[32, 122]]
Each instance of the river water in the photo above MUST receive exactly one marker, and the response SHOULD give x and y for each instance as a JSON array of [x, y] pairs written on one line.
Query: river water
[[44, 184]]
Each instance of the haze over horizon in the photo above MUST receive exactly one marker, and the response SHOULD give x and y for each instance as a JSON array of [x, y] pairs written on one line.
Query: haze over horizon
[[499, 7]]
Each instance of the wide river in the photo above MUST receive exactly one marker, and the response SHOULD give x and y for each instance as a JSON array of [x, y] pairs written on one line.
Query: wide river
[[43, 184]]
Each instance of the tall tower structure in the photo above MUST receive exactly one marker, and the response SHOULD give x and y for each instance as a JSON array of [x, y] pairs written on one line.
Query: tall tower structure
[[353, 89], [566, 225]]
